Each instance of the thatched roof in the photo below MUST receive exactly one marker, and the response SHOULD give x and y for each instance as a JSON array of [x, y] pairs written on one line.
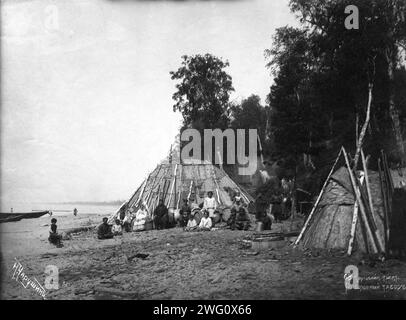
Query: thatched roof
[[173, 182]]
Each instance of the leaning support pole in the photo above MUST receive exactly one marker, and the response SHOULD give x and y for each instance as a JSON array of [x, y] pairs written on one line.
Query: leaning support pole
[[361, 207], [173, 185], [317, 201], [353, 227], [385, 204], [190, 190], [364, 165]]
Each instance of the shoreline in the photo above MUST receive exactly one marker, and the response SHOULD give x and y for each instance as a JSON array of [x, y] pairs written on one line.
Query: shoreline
[[173, 264]]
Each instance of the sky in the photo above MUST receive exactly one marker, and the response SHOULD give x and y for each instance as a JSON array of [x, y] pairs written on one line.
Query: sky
[[86, 102]]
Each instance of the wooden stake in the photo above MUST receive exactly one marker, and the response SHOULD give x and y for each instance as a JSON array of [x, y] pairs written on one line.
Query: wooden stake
[[318, 200]]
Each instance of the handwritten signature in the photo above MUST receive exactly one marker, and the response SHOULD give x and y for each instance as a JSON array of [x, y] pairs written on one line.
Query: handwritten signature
[[25, 281]]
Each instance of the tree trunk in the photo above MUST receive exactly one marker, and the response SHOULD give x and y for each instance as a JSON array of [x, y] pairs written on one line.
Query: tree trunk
[[360, 140], [393, 112]]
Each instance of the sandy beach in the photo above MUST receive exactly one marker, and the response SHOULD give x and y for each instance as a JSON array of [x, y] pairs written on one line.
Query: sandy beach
[[173, 264]]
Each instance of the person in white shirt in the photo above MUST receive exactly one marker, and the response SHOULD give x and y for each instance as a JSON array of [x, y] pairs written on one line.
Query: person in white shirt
[[140, 218], [205, 222], [238, 197], [117, 229], [191, 224], [209, 204]]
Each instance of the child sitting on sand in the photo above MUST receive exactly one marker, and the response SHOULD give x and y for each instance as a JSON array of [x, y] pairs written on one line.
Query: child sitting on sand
[[205, 222], [54, 237], [191, 224], [117, 229]]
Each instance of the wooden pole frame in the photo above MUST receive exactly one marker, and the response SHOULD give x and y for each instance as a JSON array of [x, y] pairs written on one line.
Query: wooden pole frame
[[318, 200], [374, 244], [353, 228]]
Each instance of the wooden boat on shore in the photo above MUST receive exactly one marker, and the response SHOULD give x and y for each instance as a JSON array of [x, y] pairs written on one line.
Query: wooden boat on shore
[[12, 217]]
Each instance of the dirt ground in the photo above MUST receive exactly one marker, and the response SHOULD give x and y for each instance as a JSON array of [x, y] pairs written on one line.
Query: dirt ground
[[173, 264]]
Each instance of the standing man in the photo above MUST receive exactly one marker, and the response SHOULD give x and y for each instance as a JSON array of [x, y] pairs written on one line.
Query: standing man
[[75, 212], [161, 217]]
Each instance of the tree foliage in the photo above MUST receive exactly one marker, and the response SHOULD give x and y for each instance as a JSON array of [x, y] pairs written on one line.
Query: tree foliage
[[203, 91], [322, 74]]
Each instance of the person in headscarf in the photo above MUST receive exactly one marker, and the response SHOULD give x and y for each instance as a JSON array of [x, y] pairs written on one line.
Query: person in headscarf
[[161, 217]]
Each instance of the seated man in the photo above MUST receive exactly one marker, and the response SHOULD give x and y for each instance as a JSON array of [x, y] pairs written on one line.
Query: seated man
[[161, 217], [54, 237], [205, 222], [239, 217], [117, 229], [185, 212], [103, 231], [209, 204], [191, 224]]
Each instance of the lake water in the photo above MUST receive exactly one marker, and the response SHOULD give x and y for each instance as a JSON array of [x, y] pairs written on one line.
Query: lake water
[[60, 209]]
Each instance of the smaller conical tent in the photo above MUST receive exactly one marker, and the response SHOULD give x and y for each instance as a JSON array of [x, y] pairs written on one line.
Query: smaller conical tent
[[173, 182], [343, 217]]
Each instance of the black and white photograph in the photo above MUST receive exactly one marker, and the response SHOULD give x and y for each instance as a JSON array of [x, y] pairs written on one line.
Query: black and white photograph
[[216, 152]]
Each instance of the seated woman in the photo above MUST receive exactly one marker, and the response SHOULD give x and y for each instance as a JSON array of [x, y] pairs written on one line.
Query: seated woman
[[117, 229], [104, 232], [54, 237], [140, 218], [205, 222]]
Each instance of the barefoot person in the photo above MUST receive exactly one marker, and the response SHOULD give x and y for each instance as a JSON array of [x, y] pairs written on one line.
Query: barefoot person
[[104, 232], [54, 237]]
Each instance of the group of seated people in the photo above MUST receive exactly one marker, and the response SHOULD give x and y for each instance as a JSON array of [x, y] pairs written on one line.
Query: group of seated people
[[238, 219], [134, 222], [188, 218]]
